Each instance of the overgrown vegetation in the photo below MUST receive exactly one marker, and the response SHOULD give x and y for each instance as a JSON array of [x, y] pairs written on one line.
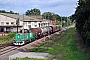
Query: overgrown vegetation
[[82, 17], [46, 47], [70, 50], [58, 22], [62, 49], [7, 38]]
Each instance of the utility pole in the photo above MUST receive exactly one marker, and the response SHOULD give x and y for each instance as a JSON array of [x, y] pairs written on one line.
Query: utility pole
[[17, 23], [48, 15], [67, 22], [61, 20], [48, 24], [45, 16]]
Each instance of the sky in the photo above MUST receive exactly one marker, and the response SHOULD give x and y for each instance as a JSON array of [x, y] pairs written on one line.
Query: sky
[[61, 7]]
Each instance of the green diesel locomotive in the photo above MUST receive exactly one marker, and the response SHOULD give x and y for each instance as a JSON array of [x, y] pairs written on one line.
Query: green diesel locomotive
[[23, 37]]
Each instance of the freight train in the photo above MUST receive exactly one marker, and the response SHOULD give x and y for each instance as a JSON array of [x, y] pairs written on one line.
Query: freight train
[[28, 35]]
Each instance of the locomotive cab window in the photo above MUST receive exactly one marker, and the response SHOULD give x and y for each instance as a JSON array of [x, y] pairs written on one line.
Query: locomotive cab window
[[24, 31]]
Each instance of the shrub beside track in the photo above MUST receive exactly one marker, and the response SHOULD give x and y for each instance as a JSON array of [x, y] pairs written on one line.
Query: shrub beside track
[[8, 38]]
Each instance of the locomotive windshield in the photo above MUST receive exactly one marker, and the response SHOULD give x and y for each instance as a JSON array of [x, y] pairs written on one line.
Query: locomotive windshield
[[24, 31]]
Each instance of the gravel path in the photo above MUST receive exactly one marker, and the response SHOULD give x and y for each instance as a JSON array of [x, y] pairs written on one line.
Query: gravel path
[[30, 55]]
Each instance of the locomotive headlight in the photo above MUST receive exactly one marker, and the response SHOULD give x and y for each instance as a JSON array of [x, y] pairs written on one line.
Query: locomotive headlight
[[18, 36]]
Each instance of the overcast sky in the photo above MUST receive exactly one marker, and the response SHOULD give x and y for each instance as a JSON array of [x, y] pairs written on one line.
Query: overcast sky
[[61, 7]]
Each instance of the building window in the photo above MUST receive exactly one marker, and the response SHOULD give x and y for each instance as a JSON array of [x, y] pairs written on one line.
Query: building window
[[23, 23], [2, 23], [35, 25], [29, 22], [7, 22], [29, 26], [12, 22], [39, 24]]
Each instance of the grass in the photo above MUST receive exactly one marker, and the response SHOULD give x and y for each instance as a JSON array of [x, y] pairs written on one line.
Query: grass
[[46, 47], [70, 50], [26, 58], [7, 38], [62, 49]]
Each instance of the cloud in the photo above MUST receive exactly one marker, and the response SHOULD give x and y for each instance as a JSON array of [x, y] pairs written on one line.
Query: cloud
[[61, 7]]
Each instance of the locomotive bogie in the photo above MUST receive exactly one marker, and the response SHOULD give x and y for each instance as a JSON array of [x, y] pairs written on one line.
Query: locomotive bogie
[[18, 42]]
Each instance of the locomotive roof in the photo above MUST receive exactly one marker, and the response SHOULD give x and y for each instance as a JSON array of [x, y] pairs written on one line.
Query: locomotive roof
[[21, 17]]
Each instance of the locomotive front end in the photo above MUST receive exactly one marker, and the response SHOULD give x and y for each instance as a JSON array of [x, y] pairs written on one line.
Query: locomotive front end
[[18, 39]]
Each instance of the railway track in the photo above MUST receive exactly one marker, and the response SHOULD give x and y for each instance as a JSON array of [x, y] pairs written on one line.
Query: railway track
[[5, 45], [8, 47]]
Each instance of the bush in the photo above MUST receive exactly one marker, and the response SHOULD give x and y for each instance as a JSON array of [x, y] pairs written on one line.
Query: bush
[[11, 34], [7, 38]]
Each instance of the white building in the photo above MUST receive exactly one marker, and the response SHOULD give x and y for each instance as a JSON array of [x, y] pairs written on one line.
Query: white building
[[32, 23], [8, 22]]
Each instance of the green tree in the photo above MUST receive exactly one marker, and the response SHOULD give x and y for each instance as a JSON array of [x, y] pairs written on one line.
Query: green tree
[[28, 12], [11, 12], [47, 15], [2, 11], [51, 16], [57, 17], [82, 17], [34, 11]]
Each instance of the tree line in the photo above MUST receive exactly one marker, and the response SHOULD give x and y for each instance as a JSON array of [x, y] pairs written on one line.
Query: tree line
[[82, 18], [10, 12], [46, 15]]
